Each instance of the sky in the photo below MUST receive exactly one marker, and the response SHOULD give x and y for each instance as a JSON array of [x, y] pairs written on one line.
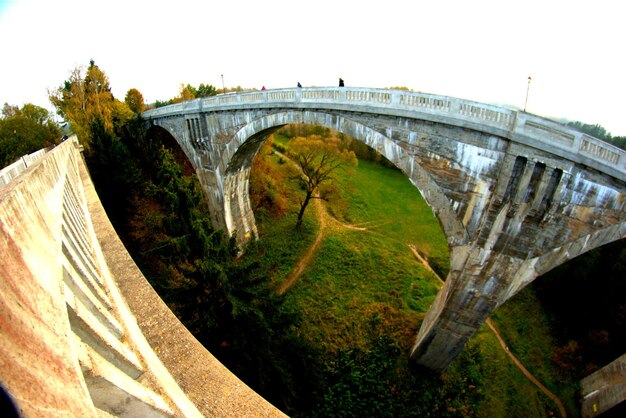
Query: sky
[[482, 50]]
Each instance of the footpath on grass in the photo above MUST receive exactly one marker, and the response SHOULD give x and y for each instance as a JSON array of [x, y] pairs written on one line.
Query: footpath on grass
[[327, 223]]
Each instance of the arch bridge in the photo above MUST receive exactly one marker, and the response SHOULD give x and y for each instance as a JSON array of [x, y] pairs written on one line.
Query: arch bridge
[[516, 194]]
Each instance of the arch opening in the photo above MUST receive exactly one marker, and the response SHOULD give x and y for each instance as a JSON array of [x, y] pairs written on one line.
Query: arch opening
[[238, 161]]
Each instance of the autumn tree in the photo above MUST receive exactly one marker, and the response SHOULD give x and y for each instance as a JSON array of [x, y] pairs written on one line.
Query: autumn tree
[[81, 100], [185, 94], [134, 100], [267, 186], [318, 159]]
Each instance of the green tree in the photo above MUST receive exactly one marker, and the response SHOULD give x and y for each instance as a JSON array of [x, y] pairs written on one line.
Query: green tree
[[205, 90], [134, 100], [599, 132], [317, 160], [9, 110], [25, 130], [112, 169], [121, 114]]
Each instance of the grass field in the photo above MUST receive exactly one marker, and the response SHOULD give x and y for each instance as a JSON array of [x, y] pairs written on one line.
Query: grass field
[[365, 279], [527, 329]]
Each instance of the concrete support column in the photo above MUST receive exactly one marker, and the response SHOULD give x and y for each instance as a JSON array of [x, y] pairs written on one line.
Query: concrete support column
[[238, 213], [212, 184], [478, 283]]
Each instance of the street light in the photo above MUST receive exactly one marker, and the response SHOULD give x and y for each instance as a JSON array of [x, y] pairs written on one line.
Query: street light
[[527, 90], [223, 88]]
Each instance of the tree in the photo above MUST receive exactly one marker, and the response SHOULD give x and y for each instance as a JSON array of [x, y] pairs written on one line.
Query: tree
[[205, 90], [317, 159], [121, 114], [81, 100], [8, 110], [599, 132], [25, 130], [134, 100], [186, 93]]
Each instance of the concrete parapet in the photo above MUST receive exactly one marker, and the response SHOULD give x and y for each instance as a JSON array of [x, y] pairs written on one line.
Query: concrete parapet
[[70, 344], [604, 389]]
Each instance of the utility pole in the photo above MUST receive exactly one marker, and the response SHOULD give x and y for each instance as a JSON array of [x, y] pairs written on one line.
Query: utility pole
[[527, 90]]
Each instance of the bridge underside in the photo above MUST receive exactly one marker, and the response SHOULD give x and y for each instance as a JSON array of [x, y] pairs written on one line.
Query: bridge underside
[[510, 212]]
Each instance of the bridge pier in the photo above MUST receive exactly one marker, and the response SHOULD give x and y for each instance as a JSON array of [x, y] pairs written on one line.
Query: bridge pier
[[477, 284]]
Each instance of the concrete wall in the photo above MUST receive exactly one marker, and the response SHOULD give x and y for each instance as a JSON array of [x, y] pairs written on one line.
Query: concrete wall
[[604, 389], [72, 342]]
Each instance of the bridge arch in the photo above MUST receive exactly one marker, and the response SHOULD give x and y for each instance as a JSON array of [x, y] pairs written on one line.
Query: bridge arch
[[520, 194], [247, 141]]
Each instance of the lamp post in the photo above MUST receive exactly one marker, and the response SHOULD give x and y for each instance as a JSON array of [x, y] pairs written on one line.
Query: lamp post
[[527, 90], [224, 88]]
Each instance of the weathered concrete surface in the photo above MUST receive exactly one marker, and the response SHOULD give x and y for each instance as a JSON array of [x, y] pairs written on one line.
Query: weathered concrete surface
[[213, 389], [516, 195], [604, 389], [37, 366], [69, 344]]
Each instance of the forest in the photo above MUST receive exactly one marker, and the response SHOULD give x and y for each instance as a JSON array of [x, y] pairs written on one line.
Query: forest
[[335, 343]]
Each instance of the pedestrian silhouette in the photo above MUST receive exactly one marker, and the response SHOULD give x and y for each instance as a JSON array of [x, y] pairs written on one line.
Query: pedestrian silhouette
[[299, 85], [340, 82], [263, 88]]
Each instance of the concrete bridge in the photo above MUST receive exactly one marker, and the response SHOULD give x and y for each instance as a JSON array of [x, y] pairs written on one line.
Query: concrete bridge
[[516, 195]]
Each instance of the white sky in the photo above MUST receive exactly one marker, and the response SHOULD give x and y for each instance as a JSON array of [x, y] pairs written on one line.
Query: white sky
[[473, 49]]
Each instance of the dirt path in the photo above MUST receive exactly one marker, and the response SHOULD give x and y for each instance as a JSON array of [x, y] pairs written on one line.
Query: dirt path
[[524, 370], [493, 328], [294, 275], [327, 223]]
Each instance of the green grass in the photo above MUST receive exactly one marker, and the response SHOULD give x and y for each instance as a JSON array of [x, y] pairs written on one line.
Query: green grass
[[360, 281], [280, 244], [386, 202], [356, 278], [371, 274], [507, 392], [526, 328]]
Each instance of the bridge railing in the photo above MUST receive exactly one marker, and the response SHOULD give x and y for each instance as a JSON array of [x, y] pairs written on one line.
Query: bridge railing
[[516, 125]]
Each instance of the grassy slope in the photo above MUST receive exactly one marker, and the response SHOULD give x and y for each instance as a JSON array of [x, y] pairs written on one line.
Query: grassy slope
[[363, 276], [525, 326]]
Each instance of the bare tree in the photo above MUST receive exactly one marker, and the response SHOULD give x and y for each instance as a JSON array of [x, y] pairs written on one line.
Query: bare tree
[[318, 160]]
